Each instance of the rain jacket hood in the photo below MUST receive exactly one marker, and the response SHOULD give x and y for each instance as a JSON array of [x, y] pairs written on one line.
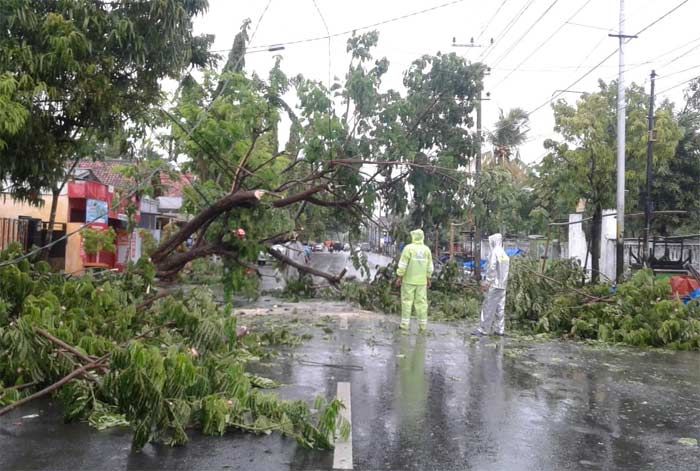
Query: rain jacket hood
[[416, 263], [417, 236], [495, 241]]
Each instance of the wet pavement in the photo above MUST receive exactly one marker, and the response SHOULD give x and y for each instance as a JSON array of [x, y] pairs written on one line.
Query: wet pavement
[[440, 401]]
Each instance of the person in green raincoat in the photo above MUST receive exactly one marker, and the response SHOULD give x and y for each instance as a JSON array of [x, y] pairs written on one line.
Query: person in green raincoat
[[414, 271]]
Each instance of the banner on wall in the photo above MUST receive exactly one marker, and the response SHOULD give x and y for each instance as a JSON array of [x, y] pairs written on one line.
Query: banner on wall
[[96, 212]]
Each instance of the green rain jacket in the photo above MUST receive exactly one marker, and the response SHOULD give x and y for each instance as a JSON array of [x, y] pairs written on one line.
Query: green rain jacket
[[416, 263]]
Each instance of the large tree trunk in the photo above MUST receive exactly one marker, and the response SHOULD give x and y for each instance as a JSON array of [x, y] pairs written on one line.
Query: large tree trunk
[[228, 202], [168, 263], [333, 279], [48, 235], [594, 237]]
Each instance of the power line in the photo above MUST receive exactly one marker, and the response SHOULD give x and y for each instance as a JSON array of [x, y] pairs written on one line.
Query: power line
[[662, 17], [592, 69], [600, 28], [527, 31], [653, 60], [353, 30], [328, 32], [507, 29], [543, 43], [680, 84], [678, 72], [693, 49], [488, 23]]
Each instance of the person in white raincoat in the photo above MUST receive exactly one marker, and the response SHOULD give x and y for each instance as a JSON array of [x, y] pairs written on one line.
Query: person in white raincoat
[[493, 310]]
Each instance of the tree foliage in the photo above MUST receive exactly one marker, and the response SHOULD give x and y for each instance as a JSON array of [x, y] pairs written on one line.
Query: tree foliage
[[641, 312], [582, 164], [159, 367], [677, 180], [510, 131], [73, 73]]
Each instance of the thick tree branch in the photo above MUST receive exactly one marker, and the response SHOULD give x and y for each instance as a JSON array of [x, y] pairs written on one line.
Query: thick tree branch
[[304, 195], [334, 280], [228, 202]]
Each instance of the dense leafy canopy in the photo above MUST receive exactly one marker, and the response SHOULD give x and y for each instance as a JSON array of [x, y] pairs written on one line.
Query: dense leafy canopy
[[73, 73]]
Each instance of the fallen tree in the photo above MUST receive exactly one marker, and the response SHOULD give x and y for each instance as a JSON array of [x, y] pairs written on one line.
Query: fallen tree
[[335, 167], [158, 363], [640, 312]]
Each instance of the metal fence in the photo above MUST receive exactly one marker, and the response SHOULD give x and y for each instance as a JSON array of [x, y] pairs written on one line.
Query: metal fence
[[13, 230], [689, 249]]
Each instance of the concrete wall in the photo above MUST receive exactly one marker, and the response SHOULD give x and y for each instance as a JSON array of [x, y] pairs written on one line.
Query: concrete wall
[[608, 251], [578, 243]]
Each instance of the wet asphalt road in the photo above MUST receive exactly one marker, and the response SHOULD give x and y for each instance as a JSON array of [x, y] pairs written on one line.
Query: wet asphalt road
[[442, 401]]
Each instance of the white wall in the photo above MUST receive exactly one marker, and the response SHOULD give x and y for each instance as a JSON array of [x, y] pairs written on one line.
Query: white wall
[[578, 244]]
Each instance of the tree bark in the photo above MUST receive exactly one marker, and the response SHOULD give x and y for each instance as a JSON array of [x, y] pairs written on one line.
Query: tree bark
[[55, 194], [595, 235], [333, 279], [168, 263], [172, 264], [48, 235], [228, 202]]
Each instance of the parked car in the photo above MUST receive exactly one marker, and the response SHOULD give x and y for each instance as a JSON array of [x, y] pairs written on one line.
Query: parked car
[[318, 247], [365, 247]]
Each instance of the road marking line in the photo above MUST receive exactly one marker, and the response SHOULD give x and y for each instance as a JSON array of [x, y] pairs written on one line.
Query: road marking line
[[342, 456]]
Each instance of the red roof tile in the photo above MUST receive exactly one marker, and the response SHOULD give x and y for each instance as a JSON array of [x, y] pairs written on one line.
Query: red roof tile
[[174, 187], [107, 171]]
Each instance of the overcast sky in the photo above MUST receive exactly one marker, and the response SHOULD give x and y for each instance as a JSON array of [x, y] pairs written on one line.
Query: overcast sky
[[671, 46]]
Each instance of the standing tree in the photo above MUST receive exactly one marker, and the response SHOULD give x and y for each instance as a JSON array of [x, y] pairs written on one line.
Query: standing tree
[[677, 181], [73, 73], [510, 132], [582, 165]]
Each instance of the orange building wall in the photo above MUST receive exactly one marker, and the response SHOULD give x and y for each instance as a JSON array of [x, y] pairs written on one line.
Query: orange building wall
[[12, 209], [74, 262]]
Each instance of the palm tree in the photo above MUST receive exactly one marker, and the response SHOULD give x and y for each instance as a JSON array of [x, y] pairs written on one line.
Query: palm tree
[[509, 133]]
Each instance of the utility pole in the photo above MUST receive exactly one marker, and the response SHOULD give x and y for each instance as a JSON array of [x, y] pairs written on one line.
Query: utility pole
[[621, 115], [477, 181], [650, 174], [477, 166]]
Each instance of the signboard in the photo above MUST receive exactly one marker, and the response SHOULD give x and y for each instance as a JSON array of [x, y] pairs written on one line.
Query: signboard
[[96, 212]]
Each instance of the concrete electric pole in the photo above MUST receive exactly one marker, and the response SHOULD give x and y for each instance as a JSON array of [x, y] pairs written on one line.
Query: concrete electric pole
[[621, 114]]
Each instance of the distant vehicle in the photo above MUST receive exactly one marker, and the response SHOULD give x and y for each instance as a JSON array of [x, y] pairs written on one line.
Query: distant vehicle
[[337, 246], [365, 247], [318, 247], [263, 258], [346, 247]]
